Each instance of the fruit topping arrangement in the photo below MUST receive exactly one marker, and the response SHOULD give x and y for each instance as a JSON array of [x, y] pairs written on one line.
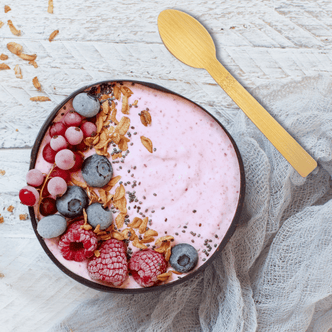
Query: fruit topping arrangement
[[82, 204]]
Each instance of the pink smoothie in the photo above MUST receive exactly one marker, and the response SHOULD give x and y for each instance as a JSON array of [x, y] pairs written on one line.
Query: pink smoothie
[[189, 186]]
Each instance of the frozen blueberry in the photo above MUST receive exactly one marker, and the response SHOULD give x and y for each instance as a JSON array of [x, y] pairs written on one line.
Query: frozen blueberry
[[99, 215], [97, 171], [51, 226], [72, 202], [86, 105], [184, 257]]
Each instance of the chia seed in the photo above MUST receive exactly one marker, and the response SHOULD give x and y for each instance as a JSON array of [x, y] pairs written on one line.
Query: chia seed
[[154, 194], [183, 231], [194, 211], [163, 207], [176, 233]]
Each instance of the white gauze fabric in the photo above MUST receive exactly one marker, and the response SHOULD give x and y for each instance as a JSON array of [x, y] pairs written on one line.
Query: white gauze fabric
[[275, 273]]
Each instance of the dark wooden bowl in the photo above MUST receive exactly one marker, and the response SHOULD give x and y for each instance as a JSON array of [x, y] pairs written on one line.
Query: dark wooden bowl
[[103, 287]]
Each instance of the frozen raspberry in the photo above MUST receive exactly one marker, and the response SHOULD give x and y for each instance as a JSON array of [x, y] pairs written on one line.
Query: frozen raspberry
[[146, 265], [77, 244], [111, 266]]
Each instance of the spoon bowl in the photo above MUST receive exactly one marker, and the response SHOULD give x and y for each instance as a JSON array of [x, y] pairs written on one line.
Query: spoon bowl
[[187, 40]]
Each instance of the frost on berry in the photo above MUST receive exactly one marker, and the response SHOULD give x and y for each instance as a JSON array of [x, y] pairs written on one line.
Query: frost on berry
[[146, 265], [65, 159], [111, 266], [78, 244], [35, 177]]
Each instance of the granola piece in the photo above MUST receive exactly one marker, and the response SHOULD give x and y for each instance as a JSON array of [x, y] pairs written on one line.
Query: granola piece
[[23, 216], [34, 63], [40, 98], [147, 143], [143, 226], [120, 192], [3, 66], [3, 57], [145, 118], [36, 83], [27, 57], [18, 72], [164, 276], [119, 220], [12, 28], [112, 183], [136, 222], [50, 6], [53, 35], [117, 235], [10, 208], [14, 48]]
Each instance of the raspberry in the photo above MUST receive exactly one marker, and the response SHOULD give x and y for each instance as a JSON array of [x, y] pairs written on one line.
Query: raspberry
[[111, 266], [146, 265], [77, 244]]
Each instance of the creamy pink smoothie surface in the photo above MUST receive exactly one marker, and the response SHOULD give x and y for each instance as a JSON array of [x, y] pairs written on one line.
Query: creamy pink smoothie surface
[[189, 186]]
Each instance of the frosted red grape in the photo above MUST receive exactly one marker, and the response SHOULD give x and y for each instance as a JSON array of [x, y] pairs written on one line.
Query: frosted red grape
[[58, 143], [74, 135], [57, 128], [72, 119], [89, 129], [57, 186], [78, 162], [35, 177], [49, 153], [29, 196], [65, 159]]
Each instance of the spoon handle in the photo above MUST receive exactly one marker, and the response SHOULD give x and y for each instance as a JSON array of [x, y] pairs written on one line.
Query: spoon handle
[[273, 131]]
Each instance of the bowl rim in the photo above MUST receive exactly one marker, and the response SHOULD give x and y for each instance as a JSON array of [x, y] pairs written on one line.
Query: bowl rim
[[104, 287]]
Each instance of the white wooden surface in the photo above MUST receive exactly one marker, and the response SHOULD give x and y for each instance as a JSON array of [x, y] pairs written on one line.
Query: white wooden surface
[[259, 41]]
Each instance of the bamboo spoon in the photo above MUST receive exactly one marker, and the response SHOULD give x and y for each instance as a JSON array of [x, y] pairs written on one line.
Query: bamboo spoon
[[188, 41]]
